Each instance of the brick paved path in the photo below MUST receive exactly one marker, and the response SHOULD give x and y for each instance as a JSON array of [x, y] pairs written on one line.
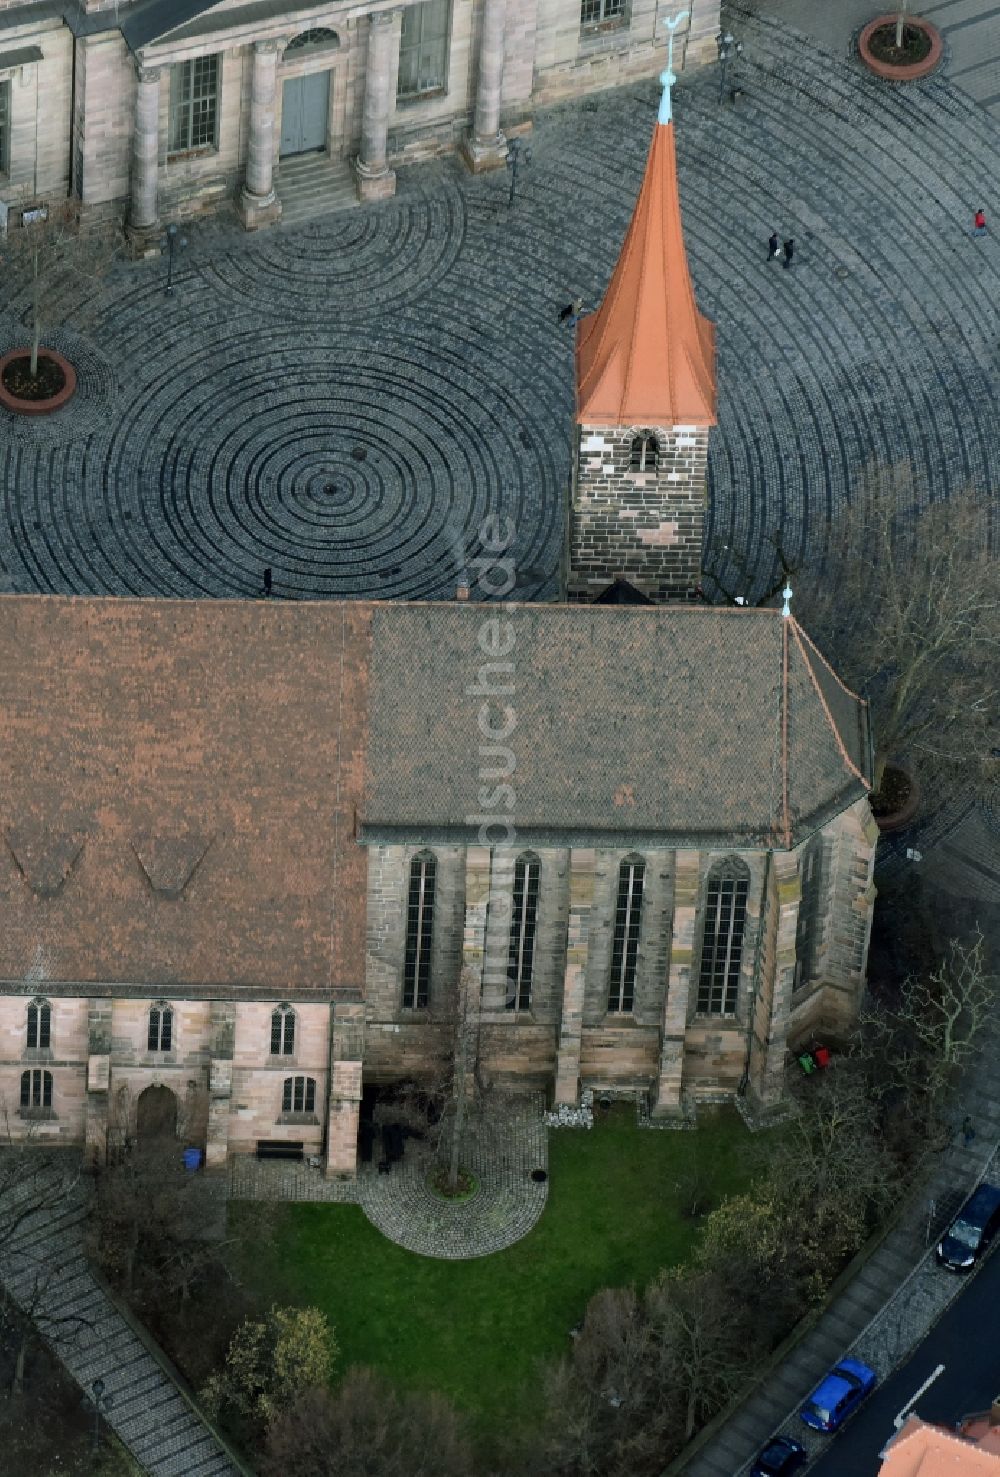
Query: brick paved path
[[345, 403], [45, 1268], [506, 1148]]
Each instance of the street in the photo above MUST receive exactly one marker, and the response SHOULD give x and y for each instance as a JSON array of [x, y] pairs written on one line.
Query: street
[[966, 1342]]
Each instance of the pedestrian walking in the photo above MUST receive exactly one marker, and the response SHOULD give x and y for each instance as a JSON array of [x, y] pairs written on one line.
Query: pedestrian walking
[[267, 581], [968, 1130], [789, 248], [773, 246], [979, 223]]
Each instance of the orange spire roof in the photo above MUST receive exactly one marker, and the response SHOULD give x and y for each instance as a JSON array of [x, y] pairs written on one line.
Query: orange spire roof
[[647, 356]]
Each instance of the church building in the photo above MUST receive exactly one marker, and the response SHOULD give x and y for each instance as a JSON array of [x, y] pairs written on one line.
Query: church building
[[253, 853]]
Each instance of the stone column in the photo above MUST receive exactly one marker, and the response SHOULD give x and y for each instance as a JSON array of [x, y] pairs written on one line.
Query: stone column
[[347, 1035], [376, 181], [222, 1026], [486, 147], [582, 877], [143, 209], [675, 1011], [259, 205], [99, 1017]]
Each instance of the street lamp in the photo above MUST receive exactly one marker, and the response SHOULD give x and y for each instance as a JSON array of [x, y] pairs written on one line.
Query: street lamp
[[100, 1404], [170, 243], [517, 153], [729, 49]]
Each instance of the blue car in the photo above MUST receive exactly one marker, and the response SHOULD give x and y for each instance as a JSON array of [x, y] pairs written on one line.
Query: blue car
[[780, 1458], [972, 1230], [838, 1395]]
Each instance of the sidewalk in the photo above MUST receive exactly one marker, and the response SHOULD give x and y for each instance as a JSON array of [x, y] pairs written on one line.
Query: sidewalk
[[959, 877], [44, 1267]]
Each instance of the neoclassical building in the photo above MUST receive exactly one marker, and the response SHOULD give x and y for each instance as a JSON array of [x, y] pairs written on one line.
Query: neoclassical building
[[167, 106]]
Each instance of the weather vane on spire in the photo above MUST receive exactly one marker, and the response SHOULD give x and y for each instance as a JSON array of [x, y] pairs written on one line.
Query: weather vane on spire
[[668, 78]]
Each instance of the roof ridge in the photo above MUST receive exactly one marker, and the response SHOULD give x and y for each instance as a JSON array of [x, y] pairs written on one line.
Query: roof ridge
[[784, 734], [852, 767]]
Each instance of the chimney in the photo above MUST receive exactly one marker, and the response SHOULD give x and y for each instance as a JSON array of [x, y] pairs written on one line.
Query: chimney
[[462, 590]]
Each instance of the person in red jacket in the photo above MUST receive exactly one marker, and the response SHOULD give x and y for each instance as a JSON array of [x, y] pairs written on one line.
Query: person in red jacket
[[979, 225]]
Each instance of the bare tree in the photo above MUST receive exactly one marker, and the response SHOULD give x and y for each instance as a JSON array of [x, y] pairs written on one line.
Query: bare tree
[[908, 611], [367, 1429], [55, 253]]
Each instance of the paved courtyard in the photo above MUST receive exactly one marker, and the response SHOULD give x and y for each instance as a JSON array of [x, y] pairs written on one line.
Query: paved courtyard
[[344, 404]]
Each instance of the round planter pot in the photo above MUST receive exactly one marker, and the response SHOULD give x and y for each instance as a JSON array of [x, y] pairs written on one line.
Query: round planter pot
[[896, 820], [37, 407], [903, 71]]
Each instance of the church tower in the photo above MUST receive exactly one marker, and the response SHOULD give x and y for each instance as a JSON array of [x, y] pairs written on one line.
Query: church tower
[[645, 400]]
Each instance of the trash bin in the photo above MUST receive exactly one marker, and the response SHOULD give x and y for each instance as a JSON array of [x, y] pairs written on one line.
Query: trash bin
[[192, 1159]]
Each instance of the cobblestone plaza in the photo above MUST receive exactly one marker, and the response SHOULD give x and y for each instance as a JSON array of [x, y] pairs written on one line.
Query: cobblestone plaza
[[344, 403]]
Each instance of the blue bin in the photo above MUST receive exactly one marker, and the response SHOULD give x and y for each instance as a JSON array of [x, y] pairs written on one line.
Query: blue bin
[[192, 1159]]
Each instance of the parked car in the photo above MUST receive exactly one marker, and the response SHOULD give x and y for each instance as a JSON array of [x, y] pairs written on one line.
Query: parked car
[[838, 1395], [972, 1230], [780, 1458]]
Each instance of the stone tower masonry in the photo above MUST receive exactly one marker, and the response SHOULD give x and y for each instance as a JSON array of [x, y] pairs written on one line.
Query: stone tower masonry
[[645, 400]]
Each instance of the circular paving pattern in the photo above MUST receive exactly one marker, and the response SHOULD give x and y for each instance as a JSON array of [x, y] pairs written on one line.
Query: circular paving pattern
[[353, 264], [424, 333], [94, 403], [511, 1143]]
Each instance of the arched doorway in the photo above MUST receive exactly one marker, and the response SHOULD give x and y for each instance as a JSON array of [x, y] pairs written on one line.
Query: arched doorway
[[156, 1114]]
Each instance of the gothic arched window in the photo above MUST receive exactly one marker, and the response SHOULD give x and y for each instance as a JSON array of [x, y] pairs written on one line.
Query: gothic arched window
[[722, 938], [39, 1025], [523, 922], [419, 932], [299, 1095], [645, 453], [625, 939], [282, 1031], [161, 1028]]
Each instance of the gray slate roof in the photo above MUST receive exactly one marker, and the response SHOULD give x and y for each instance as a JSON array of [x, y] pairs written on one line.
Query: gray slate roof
[[671, 724]]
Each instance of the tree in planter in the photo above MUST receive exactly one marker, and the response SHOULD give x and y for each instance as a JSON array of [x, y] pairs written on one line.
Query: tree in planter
[[52, 255]]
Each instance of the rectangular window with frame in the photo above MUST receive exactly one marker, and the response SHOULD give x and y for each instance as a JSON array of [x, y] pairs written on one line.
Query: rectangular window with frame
[[36, 1091], [423, 49], [602, 12], [625, 940], [722, 945], [5, 126], [299, 1095], [194, 105]]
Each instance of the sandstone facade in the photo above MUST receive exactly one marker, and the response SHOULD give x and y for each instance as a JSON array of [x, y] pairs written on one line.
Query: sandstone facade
[[86, 106], [801, 969]]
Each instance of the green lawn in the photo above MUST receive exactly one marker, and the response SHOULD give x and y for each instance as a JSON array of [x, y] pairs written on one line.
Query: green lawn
[[475, 1330]]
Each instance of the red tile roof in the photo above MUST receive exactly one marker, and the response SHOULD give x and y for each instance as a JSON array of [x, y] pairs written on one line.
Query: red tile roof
[[647, 356]]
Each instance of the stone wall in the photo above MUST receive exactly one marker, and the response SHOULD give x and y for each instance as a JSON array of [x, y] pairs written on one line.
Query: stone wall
[[547, 57], [645, 526], [566, 1039], [39, 115]]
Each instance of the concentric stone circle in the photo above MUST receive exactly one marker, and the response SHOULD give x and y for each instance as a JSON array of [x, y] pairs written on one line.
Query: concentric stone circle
[[354, 481], [426, 333], [355, 263]]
